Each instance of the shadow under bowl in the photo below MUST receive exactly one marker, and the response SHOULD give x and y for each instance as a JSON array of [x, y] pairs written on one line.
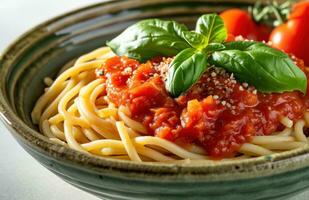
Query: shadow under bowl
[[45, 49]]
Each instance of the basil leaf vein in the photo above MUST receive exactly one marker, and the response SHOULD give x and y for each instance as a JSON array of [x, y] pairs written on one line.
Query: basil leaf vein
[[213, 47], [185, 70], [149, 38], [212, 27], [268, 69], [196, 40]]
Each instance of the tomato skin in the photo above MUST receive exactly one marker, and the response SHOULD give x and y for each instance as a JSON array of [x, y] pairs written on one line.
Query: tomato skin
[[300, 10], [289, 38], [292, 36], [239, 22], [263, 32], [230, 37]]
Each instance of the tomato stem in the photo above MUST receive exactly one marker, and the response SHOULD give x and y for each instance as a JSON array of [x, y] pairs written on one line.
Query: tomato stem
[[279, 18], [272, 14]]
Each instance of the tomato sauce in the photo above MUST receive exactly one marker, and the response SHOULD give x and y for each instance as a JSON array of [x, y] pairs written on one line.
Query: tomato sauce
[[218, 112]]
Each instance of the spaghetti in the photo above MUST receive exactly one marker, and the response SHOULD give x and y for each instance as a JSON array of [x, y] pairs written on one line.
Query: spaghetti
[[74, 113]]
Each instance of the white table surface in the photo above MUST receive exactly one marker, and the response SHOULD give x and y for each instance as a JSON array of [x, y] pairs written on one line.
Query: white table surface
[[21, 177]]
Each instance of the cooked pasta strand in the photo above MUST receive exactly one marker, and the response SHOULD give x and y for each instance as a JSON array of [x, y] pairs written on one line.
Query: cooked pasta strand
[[148, 140], [127, 142], [299, 133], [253, 149]]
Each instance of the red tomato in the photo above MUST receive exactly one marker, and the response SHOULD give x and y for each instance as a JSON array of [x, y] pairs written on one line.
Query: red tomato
[[263, 32], [230, 37], [292, 36], [300, 10], [239, 22]]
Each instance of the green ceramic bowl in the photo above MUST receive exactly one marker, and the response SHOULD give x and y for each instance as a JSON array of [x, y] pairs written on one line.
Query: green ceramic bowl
[[43, 50]]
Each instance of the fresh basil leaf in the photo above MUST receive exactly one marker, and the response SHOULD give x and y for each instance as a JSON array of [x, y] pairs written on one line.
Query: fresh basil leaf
[[213, 47], [212, 27], [196, 40], [185, 70], [149, 38], [268, 69]]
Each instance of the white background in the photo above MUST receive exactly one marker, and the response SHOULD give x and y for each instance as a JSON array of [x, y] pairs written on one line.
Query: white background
[[21, 177]]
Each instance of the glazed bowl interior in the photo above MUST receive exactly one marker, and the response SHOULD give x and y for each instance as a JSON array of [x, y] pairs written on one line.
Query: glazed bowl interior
[[44, 50]]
